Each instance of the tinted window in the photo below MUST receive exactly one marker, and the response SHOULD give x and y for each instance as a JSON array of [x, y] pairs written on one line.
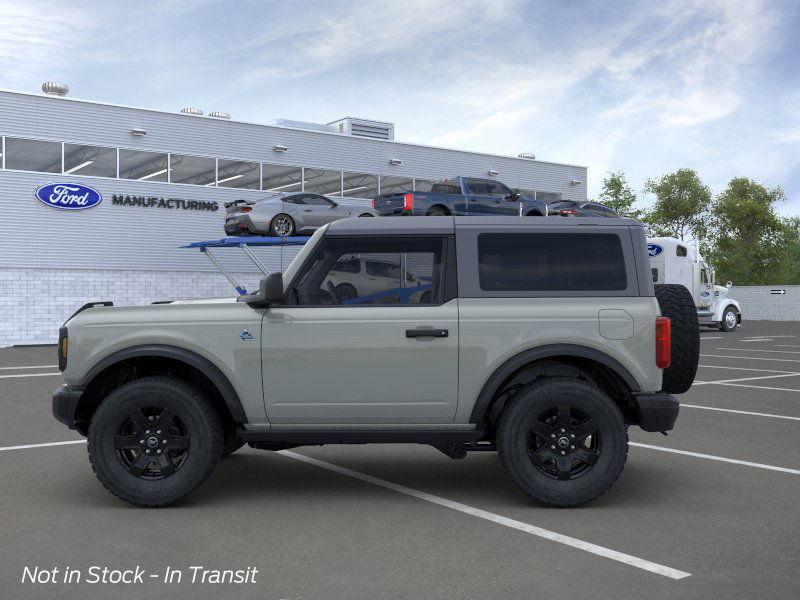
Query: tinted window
[[33, 155], [495, 188], [90, 160], [333, 276], [144, 166], [300, 199], [446, 187], [476, 186], [551, 262], [655, 275], [316, 200], [681, 251]]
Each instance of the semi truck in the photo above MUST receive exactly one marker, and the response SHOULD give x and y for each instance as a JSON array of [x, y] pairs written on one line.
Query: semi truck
[[674, 261]]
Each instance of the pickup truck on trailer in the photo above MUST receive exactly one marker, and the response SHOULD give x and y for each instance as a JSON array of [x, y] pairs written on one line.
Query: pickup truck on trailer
[[541, 339], [461, 196]]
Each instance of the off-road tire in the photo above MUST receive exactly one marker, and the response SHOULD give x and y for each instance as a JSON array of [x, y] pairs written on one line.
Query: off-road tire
[[514, 431], [723, 325], [195, 412], [676, 302], [230, 446]]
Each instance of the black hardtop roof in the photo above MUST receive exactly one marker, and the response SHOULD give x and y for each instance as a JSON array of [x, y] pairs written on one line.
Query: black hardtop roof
[[448, 224]]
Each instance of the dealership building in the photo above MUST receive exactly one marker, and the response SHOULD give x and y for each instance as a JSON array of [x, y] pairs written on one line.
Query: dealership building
[[162, 179]]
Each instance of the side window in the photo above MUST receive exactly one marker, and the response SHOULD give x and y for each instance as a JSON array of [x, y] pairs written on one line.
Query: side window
[[655, 275], [315, 200], [495, 188], [299, 199], [551, 262], [681, 250], [333, 275], [445, 186], [476, 186]]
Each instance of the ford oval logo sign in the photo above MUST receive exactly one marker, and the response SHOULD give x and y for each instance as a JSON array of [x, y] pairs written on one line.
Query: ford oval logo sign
[[68, 196], [654, 250]]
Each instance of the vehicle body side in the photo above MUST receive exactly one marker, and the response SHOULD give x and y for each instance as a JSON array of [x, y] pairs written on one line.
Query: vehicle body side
[[262, 351]]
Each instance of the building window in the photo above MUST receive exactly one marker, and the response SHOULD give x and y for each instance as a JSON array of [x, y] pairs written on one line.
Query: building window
[[144, 166], [194, 170], [33, 155], [321, 181], [423, 185], [396, 185], [359, 185], [97, 161], [237, 174], [280, 178]]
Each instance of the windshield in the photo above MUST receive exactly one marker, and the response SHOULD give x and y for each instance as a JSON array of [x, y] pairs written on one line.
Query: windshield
[[298, 260]]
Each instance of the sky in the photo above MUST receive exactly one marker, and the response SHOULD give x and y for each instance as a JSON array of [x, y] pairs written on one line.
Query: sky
[[639, 87]]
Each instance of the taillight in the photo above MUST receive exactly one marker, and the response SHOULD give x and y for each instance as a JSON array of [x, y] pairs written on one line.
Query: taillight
[[63, 348], [408, 202], [568, 211], [246, 209], [663, 342]]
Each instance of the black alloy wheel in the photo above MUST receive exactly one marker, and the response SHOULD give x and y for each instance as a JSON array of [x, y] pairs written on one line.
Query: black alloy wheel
[[564, 443], [152, 443]]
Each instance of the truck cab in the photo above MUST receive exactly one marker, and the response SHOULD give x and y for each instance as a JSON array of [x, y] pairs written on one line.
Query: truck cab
[[676, 262]]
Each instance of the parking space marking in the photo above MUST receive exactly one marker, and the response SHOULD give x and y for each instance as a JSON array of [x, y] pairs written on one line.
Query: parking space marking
[[787, 345], [495, 518], [712, 337], [29, 367], [745, 379], [742, 369], [26, 446], [759, 350], [741, 412], [761, 387], [29, 375], [719, 458], [794, 360]]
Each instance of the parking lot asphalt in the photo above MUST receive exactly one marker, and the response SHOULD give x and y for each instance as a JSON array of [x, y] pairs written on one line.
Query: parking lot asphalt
[[710, 511]]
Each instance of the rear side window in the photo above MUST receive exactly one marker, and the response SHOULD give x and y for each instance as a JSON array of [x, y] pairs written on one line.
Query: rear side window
[[446, 187], [550, 262]]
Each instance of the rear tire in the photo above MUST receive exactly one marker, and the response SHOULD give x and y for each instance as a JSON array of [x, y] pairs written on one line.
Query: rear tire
[[729, 320], [543, 443], [676, 302], [153, 441]]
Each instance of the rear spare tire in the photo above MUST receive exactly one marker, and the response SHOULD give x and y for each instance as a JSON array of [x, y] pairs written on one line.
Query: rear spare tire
[[676, 302]]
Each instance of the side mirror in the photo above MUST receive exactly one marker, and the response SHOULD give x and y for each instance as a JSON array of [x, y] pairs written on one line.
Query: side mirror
[[729, 285], [270, 288], [334, 204]]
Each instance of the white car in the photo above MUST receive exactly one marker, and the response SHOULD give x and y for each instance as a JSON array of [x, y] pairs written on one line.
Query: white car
[[361, 277]]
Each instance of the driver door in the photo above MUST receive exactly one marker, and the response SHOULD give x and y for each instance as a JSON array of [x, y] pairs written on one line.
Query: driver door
[[319, 210], [388, 354]]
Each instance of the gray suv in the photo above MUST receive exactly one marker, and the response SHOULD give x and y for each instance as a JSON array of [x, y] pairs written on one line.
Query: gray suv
[[541, 339]]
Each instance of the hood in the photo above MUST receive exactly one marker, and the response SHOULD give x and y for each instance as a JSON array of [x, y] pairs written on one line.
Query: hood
[[721, 291]]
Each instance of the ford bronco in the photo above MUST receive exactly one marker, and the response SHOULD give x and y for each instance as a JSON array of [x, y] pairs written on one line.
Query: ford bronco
[[540, 339]]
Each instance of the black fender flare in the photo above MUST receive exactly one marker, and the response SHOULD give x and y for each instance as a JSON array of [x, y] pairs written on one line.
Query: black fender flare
[[516, 362], [202, 364]]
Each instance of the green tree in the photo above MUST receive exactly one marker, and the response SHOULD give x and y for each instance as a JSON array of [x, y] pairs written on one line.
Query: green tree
[[618, 195], [751, 244], [680, 207]]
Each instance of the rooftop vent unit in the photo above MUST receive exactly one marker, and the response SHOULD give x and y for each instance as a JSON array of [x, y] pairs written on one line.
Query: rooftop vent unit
[[376, 130], [192, 111], [527, 155], [303, 125], [219, 115], [51, 88]]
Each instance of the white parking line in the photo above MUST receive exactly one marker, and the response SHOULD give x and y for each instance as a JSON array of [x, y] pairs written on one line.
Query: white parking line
[[742, 369], [719, 458], [26, 446], [29, 375], [787, 346], [761, 387], [741, 412], [793, 360], [745, 379], [759, 350], [495, 518], [712, 337], [29, 367]]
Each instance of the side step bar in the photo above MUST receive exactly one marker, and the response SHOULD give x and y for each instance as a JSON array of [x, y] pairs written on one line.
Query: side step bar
[[363, 436]]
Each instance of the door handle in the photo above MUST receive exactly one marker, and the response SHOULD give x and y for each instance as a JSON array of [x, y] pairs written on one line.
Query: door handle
[[307, 210], [435, 333]]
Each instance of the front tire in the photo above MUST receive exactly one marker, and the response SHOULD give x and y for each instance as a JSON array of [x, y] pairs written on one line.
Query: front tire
[[281, 225], [729, 320], [562, 440], [153, 441]]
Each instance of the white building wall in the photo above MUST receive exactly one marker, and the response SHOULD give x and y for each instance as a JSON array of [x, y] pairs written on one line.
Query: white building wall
[[759, 303]]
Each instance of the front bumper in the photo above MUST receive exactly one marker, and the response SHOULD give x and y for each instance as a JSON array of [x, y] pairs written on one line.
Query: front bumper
[[65, 404], [656, 412]]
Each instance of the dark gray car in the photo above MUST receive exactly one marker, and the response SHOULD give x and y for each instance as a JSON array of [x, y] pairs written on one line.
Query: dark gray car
[[285, 214]]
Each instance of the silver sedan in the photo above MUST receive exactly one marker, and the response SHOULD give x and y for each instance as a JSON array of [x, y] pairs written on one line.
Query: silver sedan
[[286, 214]]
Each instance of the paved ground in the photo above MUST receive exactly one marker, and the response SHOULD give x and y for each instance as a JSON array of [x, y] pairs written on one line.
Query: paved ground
[[728, 515]]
